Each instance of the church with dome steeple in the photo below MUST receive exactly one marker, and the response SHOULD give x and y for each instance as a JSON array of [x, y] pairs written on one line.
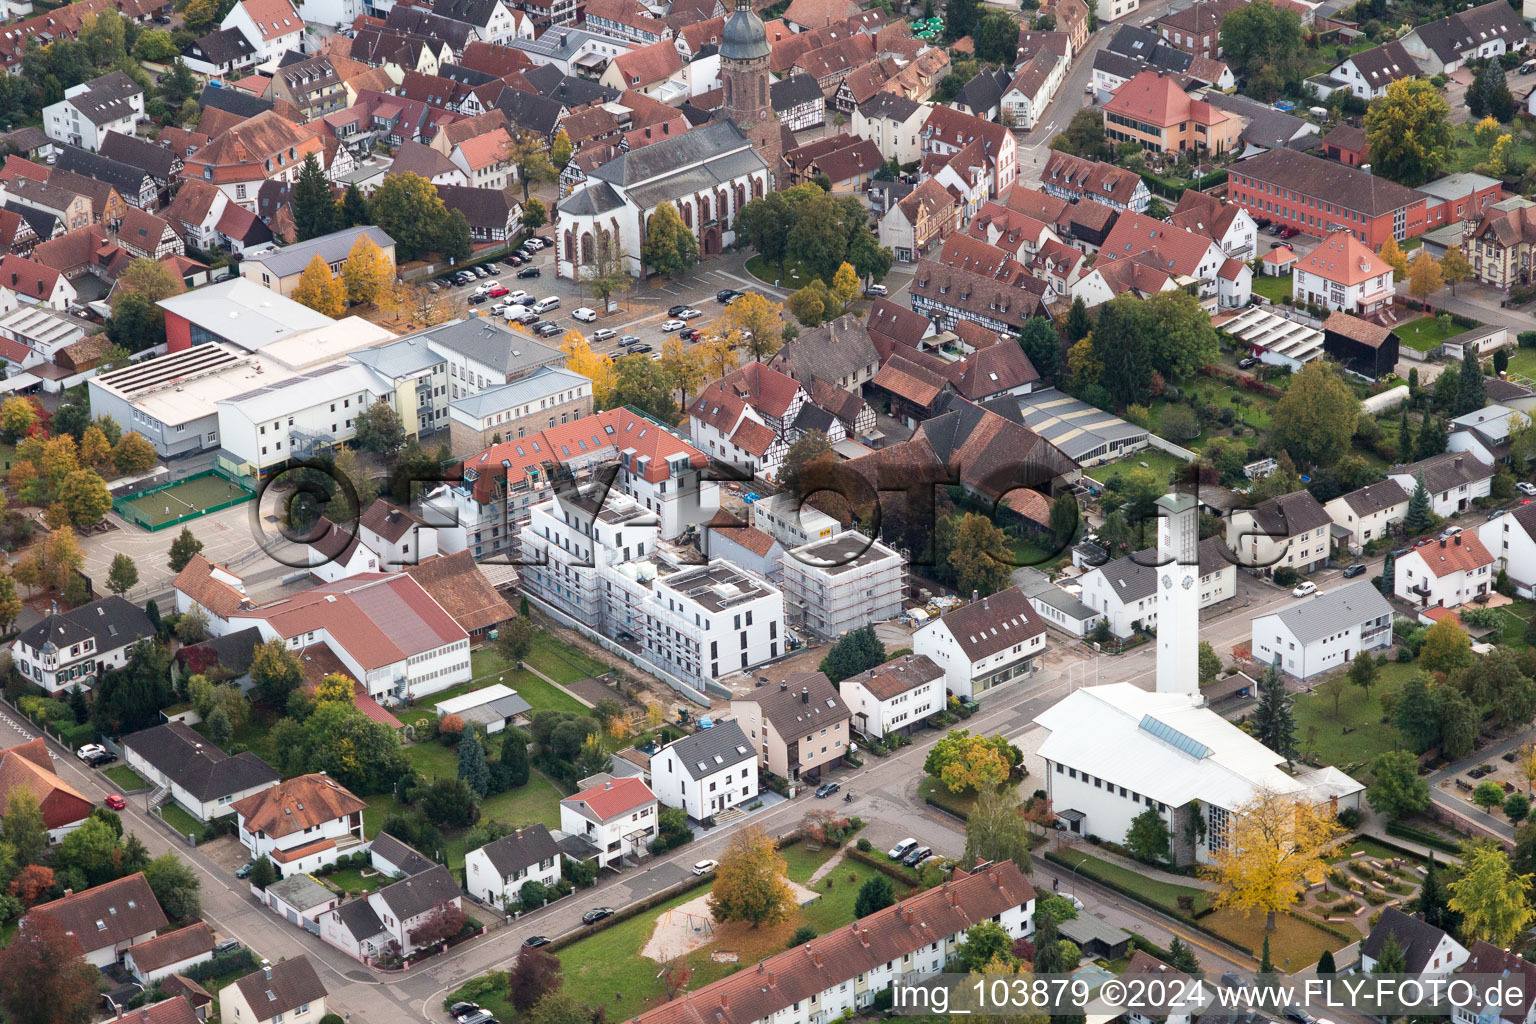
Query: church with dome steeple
[[744, 52]]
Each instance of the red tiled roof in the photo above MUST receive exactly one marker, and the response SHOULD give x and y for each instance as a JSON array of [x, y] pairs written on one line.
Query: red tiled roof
[[611, 799], [297, 804], [26, 277], [1343, 259], [1455, 554], [752, 436], [27, 768], [273, 18], [648, 64]]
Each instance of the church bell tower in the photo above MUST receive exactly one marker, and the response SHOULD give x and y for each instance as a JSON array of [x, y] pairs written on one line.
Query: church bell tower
[[1178, 595], [744, 54]]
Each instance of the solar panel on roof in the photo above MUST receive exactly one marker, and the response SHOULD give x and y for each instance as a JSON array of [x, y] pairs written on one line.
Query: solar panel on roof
[[1168, 734]]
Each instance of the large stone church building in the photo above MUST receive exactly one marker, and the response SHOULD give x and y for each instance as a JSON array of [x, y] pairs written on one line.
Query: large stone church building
[[708, 174]]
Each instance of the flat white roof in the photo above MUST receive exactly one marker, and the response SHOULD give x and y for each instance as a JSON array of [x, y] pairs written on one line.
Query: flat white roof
[[333, 382], [322, 344], [181, 387], [244, 313], [473, 699]]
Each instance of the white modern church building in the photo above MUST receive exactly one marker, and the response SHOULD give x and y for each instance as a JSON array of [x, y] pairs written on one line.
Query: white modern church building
[[1112, 752]]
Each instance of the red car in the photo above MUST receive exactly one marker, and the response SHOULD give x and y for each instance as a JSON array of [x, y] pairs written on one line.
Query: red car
[[115, 802], [498, 291], [1289, 232]]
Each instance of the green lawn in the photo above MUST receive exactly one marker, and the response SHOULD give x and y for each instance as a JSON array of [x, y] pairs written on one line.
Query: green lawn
[[436, 761], [180, 820], [1371, 848], [353, 880], [1522, 362], [1512, 622], [1353, 738], [1275, 289], [562, 662], [1160, 463], [1164, 894], [1250, 408], [802, 859], [838, 891], [792, 279], [126, 778], [1293, 944], [538, 801], [1426, 333], [1467, 155], [488, 666]]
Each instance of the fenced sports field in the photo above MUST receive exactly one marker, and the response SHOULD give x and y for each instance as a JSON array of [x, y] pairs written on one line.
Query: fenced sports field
[[184, 500]]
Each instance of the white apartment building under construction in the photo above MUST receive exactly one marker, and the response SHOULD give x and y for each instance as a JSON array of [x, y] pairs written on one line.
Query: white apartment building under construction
[[842, 583]]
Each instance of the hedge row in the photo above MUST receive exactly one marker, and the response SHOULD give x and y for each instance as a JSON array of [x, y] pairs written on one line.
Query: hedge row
[[625, 913], [885, 866], [1418, 835]]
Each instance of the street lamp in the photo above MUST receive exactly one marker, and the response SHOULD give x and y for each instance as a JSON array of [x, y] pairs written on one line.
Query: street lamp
[[1072, 879]]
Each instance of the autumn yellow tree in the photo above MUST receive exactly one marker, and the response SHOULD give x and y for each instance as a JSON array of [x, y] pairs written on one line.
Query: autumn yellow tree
[[335, 687], [966, 763], [1393, 257], [321, 290], [1268, 852], [683, 366], [715, 355], [368, 273], [1498, 156], [95, 449], [845, 284], [754, 322], [1424, 278], [750, 883], [596, 367], [1486, 132], [133, 454], [16, 417], [1454, 267], [60, 457], [62, 558], [1528, 767]]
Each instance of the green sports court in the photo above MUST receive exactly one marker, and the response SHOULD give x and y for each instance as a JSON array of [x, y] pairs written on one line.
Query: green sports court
[[183, 500]]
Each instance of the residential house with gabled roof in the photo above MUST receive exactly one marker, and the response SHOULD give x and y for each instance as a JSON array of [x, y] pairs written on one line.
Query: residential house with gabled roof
[[75, 647], [947, 295], [1228, 224], [1027, 94], [422, 160], [797, 729], [222, 53], [1288, 531], [948, 131], [921, 221], [1427, 951], [1443, 46], [311, 84], [287, 992], [1342, 273], [16, 235], [807, 15], [195, 213], [617, 818], [35, 283], [799, 102], [1445, 573], [896, 696], [1324, 632], [302, 824], [893, 123], [161, 163], [912, 388], [72, 209], [1182, 253], [1153, 111], [496, 872], [170, 953], [1124, 590], [625, 20], [1454, 480], [838, 352], [484, 160], [1368, 73], [848, 162], [107, 206], [106, 919], [649, 70], [145, 236], [187, 768], [494, 20], [28, 768], [706, 773], [744, 418], [984, 644], [112, 102], [982, 95], [493, 214], [1367, 513], [1072, 178], [273, 27], [266, 147], [892, 327]]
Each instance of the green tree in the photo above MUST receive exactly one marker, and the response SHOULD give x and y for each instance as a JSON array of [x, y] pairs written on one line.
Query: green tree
[[1417, 519], [640, 382], [876, 893], [1265, 48], [176, 886], [1274, 720], [535, 215], [85, 496], [995, 831], [1148, 838], [378, 429], [1079, 325], [1415, 715], [1315, 419], [1210, 663], [1517, 807], [807, 448], [514, 757], [1121, 338], [354, 208], [1065, 517], [276, 672], [450, 803], [1489, 95], [1042, 345], [1458, 720], [983, 942], [1493, 901], [123, 575], [870, 259], [515, 638], [528, 153], [1084, 136], [979, 554], [1363, 673], [472, 766], [669, 247], [1181, 340], [1471, 395], [1446, 647], [1488, 795], [857, 650], [1432, 897], [408, 207], [1389, 573], [23, 829], [1389, 957], [1408, 131], [1397, 790], [1434, 432], [314, 211]]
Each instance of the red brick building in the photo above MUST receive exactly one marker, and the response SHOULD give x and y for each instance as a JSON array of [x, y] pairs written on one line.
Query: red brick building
[[1319, 197]]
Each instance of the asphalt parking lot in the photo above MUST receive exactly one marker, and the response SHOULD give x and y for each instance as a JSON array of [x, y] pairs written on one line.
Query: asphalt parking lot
[[640, 312]]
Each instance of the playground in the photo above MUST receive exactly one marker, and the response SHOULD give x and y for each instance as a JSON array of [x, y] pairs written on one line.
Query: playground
[[684, 928], [176, 503]]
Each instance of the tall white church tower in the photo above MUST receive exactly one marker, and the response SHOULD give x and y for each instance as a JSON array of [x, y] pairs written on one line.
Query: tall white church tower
[[1178, 596]]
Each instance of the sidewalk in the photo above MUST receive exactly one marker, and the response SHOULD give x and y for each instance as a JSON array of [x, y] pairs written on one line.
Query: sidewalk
[[1144, 870]]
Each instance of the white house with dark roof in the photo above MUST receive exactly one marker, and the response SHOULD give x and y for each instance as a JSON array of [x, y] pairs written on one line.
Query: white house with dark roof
[[1443, 46], [985, 644], [706, 773], [1124, 590], [1454, 480], [894, 697], [496, 872], [1368, 73], [617, 818], [287, 992], [394, 858], [1369, 512], [385, 919], [492, 708], [108, 919], [1290, 531], [1427, 951], [111, 103], [73, 648], [185, 767], [1324, 632]]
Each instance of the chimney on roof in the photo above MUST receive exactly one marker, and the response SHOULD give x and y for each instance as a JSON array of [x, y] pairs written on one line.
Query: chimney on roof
[[1458, 540], [1458, 462], [864, 936], [725, 1000], [975, 596], [805, 695], [816, 957], [266, 969], [783, 685], [1442, 542]]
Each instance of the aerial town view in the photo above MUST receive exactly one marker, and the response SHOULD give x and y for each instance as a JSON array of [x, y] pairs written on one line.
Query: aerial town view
[[744, 512]]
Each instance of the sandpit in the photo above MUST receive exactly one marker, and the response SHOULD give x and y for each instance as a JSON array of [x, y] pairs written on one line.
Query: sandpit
[[688, 926]]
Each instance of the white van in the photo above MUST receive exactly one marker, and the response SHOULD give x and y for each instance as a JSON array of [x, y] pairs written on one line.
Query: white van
[[515, 311], [546, 304]]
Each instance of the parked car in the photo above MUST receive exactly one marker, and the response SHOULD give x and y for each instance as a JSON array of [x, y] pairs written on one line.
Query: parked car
[[1300, 1015], [826, 789], [516, 260], [479, 298], [243, 871], [479, 271], [549, 330], [604, 333], [689, 314], [230, 945], [1289, 232], [640, 349], [546, 304], [1306, 588], [690, 334], [95, 754], [921, 853], [704, 867], [478, 1017], [586, 314], [673, 325], [535, 941], [1526, 487], [527, 272], [726, 296], [434, 287], [902, 848], [676, 311], [546, 241], [628, 340], [596, 914], [1247, 363], [493, 268], [1358, 569], [464, 1009], [1449, 532], [1496, 513], [876, 291], [498, 291], [116, 802]]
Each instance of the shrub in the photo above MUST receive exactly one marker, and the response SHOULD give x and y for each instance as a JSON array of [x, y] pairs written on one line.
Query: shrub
[[865, 845], [1350, 818]]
